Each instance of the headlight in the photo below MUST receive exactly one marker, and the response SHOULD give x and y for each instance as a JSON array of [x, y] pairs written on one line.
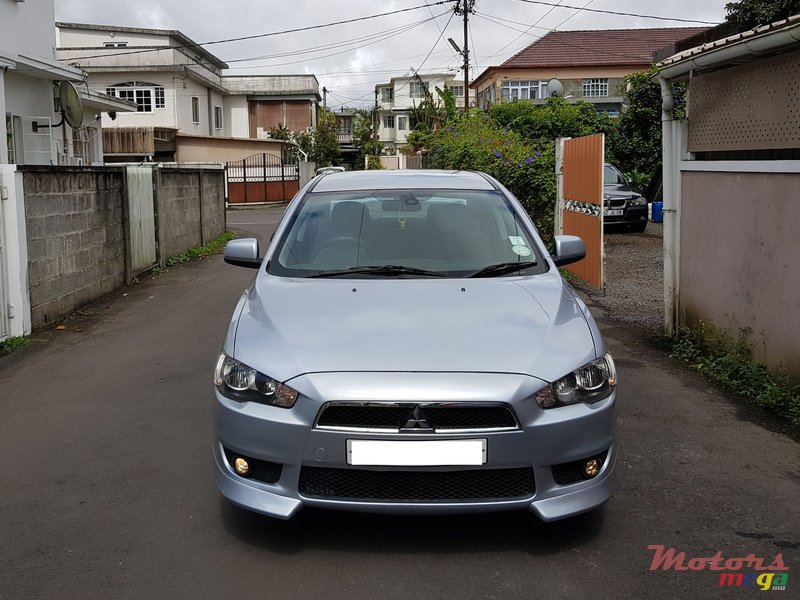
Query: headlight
[[638, 201], [237, 381], [591, 383]]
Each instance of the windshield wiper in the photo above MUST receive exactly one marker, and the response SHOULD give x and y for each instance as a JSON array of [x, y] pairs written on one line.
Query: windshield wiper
[[388, 270], [503, 268]]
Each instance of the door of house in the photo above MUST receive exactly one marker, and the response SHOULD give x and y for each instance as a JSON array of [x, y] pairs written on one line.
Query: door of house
[[580, 206]]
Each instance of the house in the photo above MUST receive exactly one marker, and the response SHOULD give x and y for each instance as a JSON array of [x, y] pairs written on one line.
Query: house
[[187, 108], [399, 98], [29, 72], [731, 181], [256, 103], [591, 65]]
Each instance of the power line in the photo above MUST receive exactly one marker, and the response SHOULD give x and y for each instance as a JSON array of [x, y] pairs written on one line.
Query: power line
[[534, 26], [273, 33], [619, 13], [539, 20]]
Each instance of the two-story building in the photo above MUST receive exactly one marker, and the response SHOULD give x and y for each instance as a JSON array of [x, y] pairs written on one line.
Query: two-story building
[[399, 98], [29, 72], [591, 65], [187, 108]]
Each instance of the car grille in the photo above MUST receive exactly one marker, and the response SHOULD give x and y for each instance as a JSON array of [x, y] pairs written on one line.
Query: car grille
[[615, 203], [411, 417], [417, 486]]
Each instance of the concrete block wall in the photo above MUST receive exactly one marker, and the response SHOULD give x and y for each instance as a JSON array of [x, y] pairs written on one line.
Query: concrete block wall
[[76, 246], [190, 208], [78, 242]]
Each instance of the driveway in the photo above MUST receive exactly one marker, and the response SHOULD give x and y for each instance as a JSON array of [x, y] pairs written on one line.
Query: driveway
[[107, 491]]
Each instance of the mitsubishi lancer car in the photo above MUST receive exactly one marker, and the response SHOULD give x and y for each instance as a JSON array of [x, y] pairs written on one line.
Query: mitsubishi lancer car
[[407, 345]]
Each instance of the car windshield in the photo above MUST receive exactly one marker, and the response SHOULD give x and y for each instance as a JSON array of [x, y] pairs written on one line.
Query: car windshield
[[406, 233], [612, 176]]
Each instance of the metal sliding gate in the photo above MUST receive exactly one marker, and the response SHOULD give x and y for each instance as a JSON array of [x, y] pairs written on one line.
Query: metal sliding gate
[[260, 179]]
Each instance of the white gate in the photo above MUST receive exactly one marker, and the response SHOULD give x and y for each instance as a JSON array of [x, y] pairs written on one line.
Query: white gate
[[141, 217]]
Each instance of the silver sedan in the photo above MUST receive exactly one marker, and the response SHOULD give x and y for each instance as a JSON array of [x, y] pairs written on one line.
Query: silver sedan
[[409, 346]]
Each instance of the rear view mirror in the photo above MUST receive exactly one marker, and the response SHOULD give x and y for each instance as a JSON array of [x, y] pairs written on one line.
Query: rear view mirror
[[569, 249], [243, 253]]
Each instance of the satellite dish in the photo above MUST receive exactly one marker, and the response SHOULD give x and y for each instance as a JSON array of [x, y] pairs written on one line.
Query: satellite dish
[[555, 88], [71, 108], [71, 105]]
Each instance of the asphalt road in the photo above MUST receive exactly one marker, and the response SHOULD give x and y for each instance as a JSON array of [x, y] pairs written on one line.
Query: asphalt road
[[107, 491]]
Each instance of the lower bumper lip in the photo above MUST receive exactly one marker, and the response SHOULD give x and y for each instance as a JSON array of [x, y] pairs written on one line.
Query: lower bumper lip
[[287, 437]]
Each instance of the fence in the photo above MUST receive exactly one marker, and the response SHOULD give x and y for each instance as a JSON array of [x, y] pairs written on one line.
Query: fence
[[260, 179], [90, 230]]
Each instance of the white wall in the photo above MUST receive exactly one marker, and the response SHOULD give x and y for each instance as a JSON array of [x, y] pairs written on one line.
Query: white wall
[[237, 117], [28, 28], [15, 251], [27, 97]]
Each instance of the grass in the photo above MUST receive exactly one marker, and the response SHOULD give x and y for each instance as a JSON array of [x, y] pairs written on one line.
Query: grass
[[15, 343], [213, 247], [567, 275], [729, 364]]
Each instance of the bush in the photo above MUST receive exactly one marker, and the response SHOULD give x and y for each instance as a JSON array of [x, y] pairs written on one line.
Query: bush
[[729, 363], [475, 142]]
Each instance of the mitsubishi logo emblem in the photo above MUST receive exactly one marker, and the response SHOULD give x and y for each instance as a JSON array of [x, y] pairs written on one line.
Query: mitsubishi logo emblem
[[417, 421]]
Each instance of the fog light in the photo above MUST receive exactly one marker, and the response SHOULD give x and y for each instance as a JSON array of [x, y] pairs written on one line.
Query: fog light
[[591, 468], [241, 467]]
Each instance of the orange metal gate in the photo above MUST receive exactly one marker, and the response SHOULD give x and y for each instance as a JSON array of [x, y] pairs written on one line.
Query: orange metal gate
[[583, 202]]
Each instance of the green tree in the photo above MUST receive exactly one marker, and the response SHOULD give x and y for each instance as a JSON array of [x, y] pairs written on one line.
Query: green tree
[[542, 124], [364, 132], [321, 145], [747, 14], [281, 132]]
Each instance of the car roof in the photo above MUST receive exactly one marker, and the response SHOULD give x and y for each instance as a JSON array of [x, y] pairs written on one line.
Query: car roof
[[402, 180]]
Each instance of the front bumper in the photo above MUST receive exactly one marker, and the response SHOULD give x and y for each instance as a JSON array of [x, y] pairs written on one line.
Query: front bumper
[[288, 437], [632, 215]]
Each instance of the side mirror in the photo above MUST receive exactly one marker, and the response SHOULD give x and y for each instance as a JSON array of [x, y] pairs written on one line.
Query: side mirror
[[243, 253], [569, 249]]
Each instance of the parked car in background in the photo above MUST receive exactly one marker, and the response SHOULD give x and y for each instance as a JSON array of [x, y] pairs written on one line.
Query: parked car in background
[[408, 346], [329, 170], [623, 205]]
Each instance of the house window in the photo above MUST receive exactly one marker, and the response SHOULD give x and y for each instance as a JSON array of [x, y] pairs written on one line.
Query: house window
[[115, 44], [387, 94], [458, 90], [160, 101], [217, 117], [594, 88], [195, 110], [388, 122], [523, 90], [418, 89], [144, 95], [402, 123]]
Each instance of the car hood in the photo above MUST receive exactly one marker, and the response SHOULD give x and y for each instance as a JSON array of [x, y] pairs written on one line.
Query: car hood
[[527, 325], [619, 190]]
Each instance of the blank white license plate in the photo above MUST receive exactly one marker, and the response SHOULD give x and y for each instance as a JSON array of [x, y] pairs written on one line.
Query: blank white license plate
[[614, 212], [433, 453]]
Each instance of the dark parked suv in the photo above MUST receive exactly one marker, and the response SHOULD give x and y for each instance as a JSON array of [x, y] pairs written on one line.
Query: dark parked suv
[[623, 204]]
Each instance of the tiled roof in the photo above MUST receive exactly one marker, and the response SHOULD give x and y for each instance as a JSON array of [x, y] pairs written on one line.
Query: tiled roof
[[599, 47]]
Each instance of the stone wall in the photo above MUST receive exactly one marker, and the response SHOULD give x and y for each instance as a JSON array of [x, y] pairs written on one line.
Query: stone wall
[[79, 247], [190, 208], [75, 229]]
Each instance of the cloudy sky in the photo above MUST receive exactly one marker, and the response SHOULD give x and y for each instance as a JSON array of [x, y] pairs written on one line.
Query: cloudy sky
[[349, 59]]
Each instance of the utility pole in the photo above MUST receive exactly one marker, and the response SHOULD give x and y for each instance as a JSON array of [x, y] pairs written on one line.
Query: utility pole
[[464, 7], [324, 98], [375, 123]]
